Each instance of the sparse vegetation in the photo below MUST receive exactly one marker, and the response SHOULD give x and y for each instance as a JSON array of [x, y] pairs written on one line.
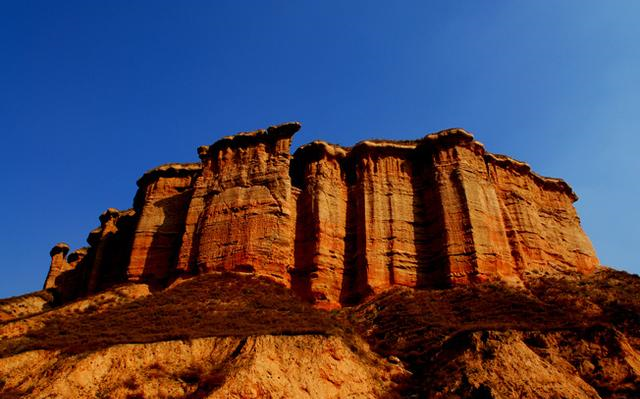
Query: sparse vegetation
[[414, 324], [205, 306], [131, 383], [25, 305], [206, 381]]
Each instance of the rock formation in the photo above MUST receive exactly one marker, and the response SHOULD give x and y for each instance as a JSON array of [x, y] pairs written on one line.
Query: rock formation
[[162, 201], [335, 223], [248, 218], [58, 263]]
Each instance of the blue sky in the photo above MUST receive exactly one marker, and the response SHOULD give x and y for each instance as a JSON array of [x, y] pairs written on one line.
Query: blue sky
[[92, 94]]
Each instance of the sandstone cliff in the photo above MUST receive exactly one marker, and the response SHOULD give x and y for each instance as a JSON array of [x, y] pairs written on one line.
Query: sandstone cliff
[[336, 224], [161, 203]]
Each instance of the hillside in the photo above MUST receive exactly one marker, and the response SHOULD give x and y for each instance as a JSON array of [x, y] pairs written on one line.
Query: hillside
[[559, 336], [216, 335], [230, 335]]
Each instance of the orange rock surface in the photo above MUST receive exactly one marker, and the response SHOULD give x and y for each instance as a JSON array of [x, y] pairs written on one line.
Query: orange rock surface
[[58, 264], [336, 223], [247, 221], [162, 201]]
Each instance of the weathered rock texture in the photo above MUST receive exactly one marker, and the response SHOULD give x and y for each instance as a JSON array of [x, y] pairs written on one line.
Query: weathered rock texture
[[264, 366], [162, 202], [248, 219], [335, 223], [219, 335], [58, 263]]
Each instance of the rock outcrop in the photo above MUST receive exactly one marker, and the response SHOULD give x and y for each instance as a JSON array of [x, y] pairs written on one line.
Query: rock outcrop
[[248, 218], [162, 201], [335, 223], [58, 263]]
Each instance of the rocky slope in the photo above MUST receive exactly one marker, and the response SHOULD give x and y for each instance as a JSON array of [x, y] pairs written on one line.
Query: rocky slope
[[263, 366], [229, 335], [336, 224], [559, 336], [214, 336]]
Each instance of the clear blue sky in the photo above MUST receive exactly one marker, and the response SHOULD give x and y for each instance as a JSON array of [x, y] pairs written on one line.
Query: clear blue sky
[[93, 93]]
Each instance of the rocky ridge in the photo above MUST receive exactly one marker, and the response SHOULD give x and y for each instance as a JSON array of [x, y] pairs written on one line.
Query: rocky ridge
[[336, 224]]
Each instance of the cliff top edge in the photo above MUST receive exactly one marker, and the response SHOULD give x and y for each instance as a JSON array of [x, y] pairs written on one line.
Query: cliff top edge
[[443, 138]]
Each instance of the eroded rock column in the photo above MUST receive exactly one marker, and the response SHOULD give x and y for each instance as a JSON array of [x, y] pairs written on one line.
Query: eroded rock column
[[187, 256], [58, 264], [247, 222], [162, 202], [475, 242], [321, 225], [386, 252], [544, 226], [110, 249]]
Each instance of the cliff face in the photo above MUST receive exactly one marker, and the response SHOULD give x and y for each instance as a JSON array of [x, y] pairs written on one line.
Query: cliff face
[[248, 217], [162, 202], [336, 224]]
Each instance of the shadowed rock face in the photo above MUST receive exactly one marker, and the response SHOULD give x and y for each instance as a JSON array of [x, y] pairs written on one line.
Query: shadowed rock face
[[162, 201], [335, 223]]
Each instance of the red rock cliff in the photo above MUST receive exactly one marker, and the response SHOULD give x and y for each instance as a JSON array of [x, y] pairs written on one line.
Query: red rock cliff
[[335, 223], [161, 203], [247, 223]]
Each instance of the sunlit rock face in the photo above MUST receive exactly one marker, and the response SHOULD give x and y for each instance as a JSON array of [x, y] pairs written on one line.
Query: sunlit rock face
[[324, 246], [247, 223], [58, 264], [334, 223]]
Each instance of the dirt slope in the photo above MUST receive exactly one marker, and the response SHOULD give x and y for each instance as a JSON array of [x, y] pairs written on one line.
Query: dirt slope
[[237, 336], [218, 336], [262, 366], [25, 305], [559, 337]]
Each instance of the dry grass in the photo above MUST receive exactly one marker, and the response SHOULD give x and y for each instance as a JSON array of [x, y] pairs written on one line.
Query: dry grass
[[614, 293], [408, 320], [206, 306], [409, 324], [414, 324]]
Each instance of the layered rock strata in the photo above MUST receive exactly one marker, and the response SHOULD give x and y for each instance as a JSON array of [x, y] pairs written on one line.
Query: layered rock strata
[[335, 223], [161, 203], [248, 218], [58, 263]]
